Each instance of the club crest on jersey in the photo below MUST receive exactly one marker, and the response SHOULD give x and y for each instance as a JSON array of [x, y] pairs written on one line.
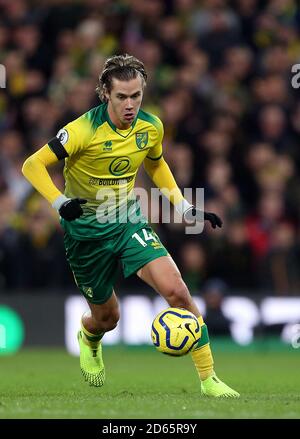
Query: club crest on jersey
[[63, 136], [141, 140]]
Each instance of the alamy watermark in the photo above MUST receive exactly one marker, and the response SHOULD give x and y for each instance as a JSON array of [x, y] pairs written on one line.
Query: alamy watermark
[[2, 337], [295, 336], [2, 76], [296, 78], [117, 206]]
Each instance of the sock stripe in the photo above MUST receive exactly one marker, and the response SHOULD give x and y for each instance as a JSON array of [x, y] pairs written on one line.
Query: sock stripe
[[91, 337], [204, 339], [95, 337]]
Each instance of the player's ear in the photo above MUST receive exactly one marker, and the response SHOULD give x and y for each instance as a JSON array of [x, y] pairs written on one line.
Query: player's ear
[[106, 93]]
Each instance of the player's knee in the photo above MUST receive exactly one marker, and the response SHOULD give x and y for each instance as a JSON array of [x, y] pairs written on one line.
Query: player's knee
[[178, 294]]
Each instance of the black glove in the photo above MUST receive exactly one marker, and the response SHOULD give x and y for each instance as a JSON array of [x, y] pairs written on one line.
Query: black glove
[[213, 219], [71, 209], [194, 214]]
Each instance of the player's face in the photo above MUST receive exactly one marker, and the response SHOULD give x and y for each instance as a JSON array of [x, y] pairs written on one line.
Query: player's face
[[124, 101]]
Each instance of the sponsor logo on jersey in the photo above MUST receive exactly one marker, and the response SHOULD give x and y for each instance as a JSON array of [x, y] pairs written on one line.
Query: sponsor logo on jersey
[[94, 181], [141, 140], [119, 166], [63, 136]]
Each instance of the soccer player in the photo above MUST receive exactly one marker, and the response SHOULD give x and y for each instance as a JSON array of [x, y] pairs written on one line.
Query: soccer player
[[104, 148]]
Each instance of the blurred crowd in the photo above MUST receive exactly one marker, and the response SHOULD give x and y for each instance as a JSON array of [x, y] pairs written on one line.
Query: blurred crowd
[[220, 80]]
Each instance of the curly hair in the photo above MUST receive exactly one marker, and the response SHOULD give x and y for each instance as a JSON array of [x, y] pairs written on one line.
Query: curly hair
[[123, 67]]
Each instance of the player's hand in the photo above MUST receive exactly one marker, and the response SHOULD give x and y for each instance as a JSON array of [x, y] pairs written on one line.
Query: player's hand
[[193, 214], [71, 209], [214, 219]]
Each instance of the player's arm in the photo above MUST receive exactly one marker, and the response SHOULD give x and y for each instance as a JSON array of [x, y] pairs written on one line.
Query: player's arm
[[161, 175], [35, 170]]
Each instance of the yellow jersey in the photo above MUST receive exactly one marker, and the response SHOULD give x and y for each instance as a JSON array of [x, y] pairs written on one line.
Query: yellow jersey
[[101, 164]]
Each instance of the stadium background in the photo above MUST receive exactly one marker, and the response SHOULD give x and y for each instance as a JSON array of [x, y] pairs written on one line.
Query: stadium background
[[220, 80]]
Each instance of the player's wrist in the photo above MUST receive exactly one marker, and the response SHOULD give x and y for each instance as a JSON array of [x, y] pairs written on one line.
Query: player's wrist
[[59, 201], [183, 206]]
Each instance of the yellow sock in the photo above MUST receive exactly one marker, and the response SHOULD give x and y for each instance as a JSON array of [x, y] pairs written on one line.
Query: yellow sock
[[202, 356], [90, 339]]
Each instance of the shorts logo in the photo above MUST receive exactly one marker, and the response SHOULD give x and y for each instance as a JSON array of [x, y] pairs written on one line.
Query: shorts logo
[[119, 166], [88, 291], [63, 136], [141, 140]]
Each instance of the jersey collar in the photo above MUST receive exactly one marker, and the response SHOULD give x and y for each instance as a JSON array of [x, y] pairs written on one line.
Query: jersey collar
[[122, 133]]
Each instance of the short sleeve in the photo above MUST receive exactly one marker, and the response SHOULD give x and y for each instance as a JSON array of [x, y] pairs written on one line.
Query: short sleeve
[[71, 139], [156, 151]]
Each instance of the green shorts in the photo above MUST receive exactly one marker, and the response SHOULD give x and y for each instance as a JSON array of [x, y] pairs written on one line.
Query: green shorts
[[94, 262]]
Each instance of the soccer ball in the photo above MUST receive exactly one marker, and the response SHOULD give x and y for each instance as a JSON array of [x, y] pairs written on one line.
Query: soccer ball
[[175, 331]]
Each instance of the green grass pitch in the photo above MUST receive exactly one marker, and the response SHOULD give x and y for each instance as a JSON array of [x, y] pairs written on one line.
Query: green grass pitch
[[142, 383]]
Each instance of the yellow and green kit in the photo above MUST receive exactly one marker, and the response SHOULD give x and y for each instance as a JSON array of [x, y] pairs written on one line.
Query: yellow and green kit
[[101, 164]]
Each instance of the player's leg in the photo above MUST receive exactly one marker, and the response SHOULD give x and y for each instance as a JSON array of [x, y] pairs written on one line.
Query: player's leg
[[101, 318], [163, 275], [94, 323], [94, 266]]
